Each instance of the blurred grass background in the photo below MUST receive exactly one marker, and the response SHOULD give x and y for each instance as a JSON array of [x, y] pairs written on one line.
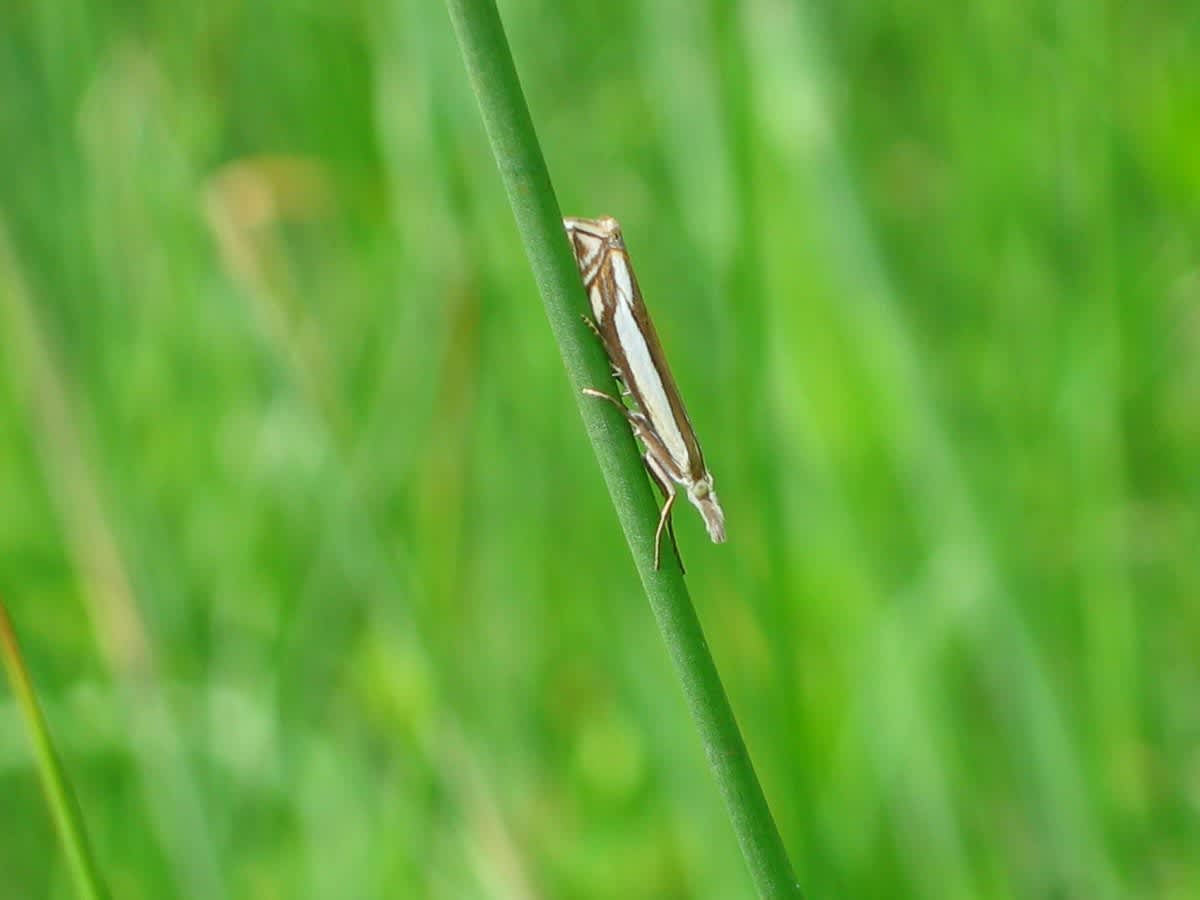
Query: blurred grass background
[[313, 564]]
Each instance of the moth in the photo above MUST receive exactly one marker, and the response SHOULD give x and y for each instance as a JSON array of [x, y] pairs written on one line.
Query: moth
[[655, 409]]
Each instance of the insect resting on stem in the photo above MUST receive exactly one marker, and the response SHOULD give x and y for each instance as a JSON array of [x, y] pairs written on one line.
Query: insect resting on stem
[[656, 411]]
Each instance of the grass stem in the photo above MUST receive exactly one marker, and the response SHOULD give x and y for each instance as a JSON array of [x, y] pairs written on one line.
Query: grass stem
[[68, 819], [518, 155]]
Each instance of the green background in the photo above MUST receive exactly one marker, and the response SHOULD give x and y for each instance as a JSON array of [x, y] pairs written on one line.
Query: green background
[[312, 561]]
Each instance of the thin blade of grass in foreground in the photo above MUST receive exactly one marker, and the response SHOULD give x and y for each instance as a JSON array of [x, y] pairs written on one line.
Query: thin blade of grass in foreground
[[68, 818], [518, 155]]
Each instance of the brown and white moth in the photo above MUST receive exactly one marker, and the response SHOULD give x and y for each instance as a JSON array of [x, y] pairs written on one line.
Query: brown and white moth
[[656, 413]]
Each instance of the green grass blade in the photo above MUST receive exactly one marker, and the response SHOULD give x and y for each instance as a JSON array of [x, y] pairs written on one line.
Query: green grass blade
[[518, 155], [68, 818]]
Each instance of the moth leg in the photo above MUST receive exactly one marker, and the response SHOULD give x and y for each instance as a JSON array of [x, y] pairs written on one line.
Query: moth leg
[[592, 325], [637, 420], [625, 410], [657, 475], [675, 543], [616, 373], [665, 519]]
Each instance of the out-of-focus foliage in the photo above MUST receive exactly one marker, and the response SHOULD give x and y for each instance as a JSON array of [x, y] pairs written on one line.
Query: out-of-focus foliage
[[312, 561]]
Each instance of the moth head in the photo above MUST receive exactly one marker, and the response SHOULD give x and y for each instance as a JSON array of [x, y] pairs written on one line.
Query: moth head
[[609, 225], [704, 498]]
